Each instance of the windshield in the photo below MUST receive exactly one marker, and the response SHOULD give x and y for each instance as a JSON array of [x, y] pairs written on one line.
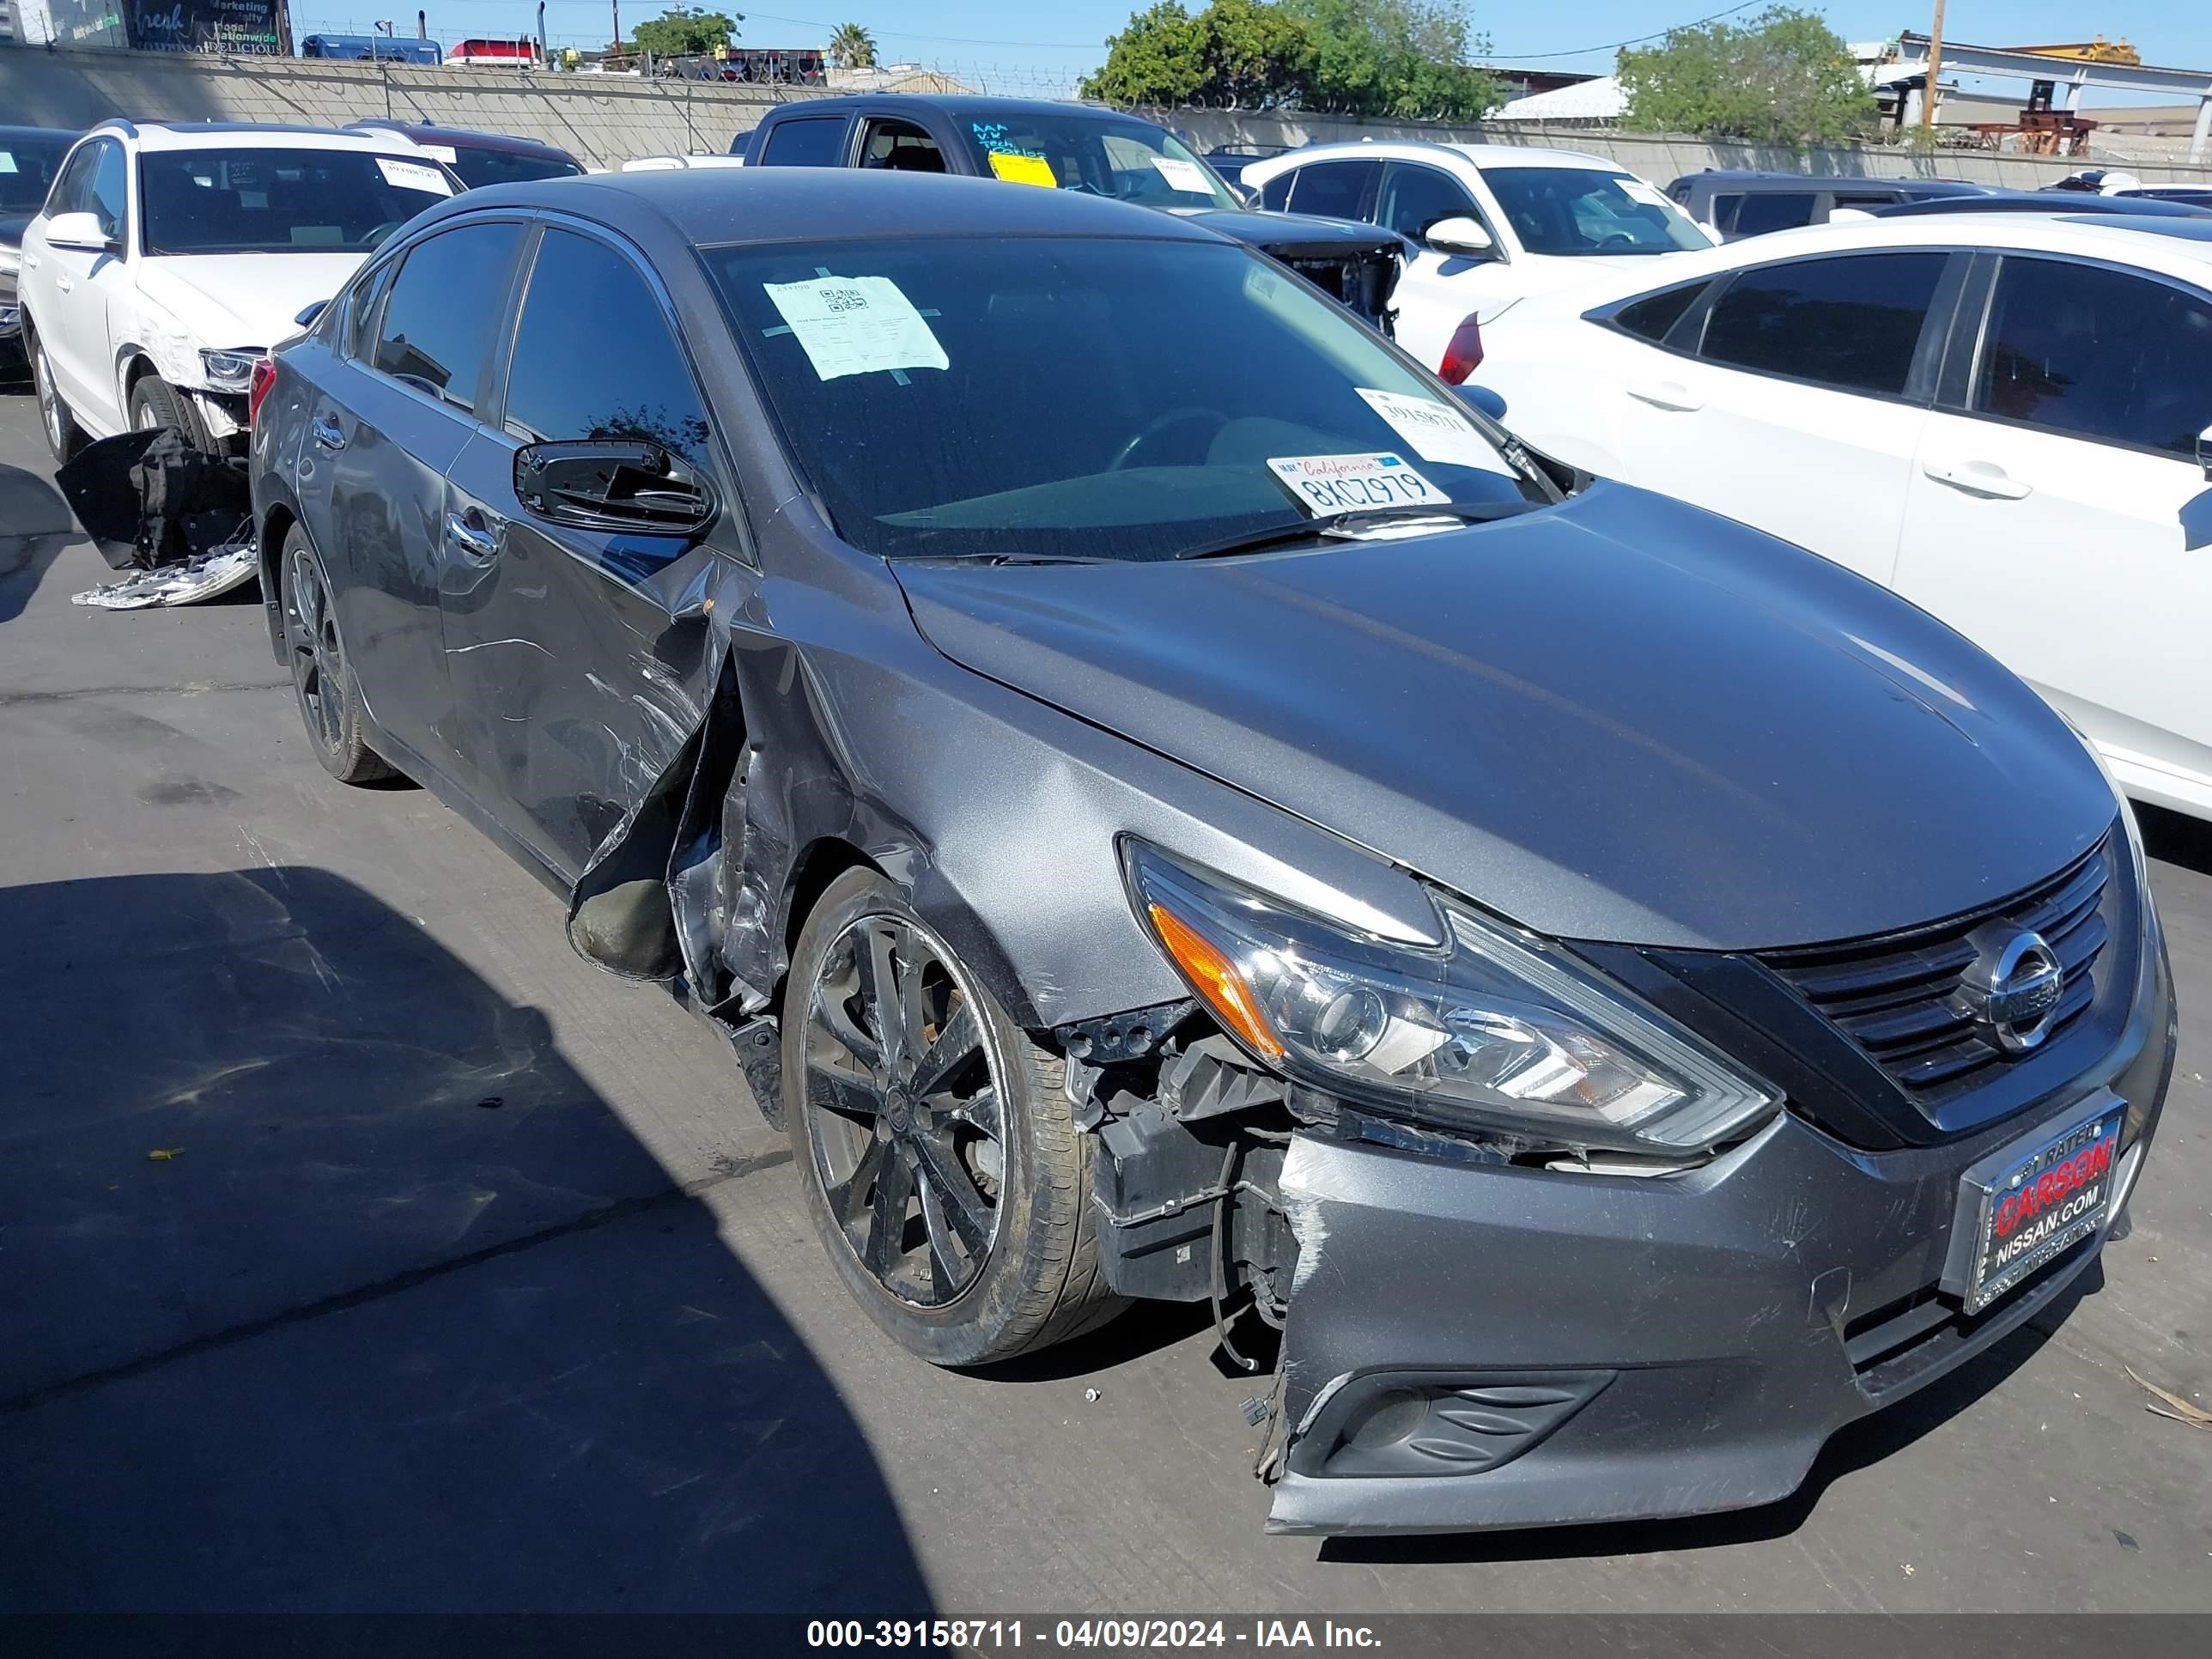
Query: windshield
[[28, 166], [1574, 210], [1133, 160], [480, 168], [1037, 398], [281, 201]]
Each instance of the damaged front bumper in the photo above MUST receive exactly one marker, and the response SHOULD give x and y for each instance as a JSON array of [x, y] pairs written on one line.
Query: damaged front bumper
[[1493, 1347]]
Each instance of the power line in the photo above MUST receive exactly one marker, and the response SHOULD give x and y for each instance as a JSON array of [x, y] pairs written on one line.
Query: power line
[[1615, 46]]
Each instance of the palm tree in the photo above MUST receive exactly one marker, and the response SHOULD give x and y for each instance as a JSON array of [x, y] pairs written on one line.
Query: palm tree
[[853, 47]]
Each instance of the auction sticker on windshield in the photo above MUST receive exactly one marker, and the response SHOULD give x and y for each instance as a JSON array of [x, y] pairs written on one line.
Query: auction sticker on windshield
[[1182, 175], [856, 325], [1022, 169], [1326, 485], [412, 175], [1437, 433]]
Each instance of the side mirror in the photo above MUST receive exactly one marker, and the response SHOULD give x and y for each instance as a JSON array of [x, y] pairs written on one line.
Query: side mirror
[[82, 231], [1460, 235], [309, 313], [634, 488], [2204, 453]]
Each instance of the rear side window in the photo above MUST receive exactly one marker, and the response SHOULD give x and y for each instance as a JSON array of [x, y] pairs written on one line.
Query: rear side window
[[1868, 200], [444, 311], [2099, 354], [1776, 210], [644, 392], [480, 168], [1334, 190], [1651, 317], [815, 142], [1852, 323]]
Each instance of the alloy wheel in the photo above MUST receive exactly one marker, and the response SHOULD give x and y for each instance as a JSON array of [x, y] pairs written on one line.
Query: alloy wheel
[[905, 1110], [50, 401], [318, 660]]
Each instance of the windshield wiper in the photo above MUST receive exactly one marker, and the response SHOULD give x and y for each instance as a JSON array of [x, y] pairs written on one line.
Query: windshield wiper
[[999, 558], [1357, 526]]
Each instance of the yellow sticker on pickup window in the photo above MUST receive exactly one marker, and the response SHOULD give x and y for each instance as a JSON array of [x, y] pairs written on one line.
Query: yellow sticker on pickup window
[[1024, 169]]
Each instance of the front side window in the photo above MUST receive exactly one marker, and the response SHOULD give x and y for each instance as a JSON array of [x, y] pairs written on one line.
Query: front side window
[[900, 146], [28, 167], [2099, 354], [1580, 210], [922, 387], [644, 392], [1852, 323], [1415, 198], [72, 191], [1334, 190], [110, 197], [359, 340], [818, 140], [444, 310], [1132, 160], [281, 201]]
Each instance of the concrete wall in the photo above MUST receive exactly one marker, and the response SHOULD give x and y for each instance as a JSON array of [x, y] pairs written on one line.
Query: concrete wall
[[608, 119], [1661, 158], [602, 120]]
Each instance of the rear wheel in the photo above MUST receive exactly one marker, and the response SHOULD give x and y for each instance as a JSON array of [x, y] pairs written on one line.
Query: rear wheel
[[64, 436], [942, 1165], [329, 700]]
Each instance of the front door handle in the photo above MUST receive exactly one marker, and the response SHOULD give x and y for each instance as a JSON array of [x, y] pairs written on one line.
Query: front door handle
[[1667, 394], [476, 539], [326, 428], [1977, 479]]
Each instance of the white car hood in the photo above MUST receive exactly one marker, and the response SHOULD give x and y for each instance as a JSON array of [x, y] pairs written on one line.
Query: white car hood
[[224, 301]]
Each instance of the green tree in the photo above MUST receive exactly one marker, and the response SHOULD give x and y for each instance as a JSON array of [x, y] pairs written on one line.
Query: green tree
[[681, 32], [1408, 58], [1784, 77], [853, 47]]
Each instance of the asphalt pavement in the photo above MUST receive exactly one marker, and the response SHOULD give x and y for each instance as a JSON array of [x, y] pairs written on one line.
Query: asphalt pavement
[[363, 1249]]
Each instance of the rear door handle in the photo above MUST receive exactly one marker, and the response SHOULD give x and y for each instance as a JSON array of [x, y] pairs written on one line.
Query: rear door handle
[[326, 428], [63, 283], [1977, 479], [1667, 394], [478, 540]]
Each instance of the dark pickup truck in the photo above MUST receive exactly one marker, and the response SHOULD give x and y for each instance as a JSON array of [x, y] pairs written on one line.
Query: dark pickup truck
[[1074, 147]]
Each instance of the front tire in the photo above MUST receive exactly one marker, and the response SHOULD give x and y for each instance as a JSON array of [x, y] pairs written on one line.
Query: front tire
[[942, 1165], [322, 678], [155, 403], [64, 436]]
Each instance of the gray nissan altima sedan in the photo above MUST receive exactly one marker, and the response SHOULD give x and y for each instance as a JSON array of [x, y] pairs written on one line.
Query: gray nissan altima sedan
[[1166, 802]]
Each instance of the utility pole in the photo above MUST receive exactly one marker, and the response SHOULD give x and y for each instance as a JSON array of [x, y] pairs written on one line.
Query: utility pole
[[616, 45], [1934, 70]]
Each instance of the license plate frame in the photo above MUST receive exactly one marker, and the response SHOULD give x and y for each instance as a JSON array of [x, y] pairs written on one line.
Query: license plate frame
[[2030, 1201]]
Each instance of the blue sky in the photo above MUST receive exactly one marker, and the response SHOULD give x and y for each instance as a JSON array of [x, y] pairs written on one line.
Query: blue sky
[[1023, 38]]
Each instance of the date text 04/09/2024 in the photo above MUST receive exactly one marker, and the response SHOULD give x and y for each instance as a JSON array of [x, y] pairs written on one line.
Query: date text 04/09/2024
[[1086, 1634]]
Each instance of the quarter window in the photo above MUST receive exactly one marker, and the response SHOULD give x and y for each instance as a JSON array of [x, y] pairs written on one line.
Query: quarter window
[[1276, 194], [813, 141], [1852, 323], [1651, 317], [1415, 198], [554, 391], [1334, 190], [2099, 354], [444, 311]]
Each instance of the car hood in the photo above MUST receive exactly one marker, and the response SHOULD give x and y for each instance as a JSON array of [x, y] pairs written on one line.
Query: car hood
[[226, 299], [1298, 234], [1618, 719]]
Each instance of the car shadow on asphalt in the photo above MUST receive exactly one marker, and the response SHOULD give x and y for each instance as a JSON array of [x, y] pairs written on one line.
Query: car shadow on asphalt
[[1859, 1445], [34, 527], [335, 1286], [2176, 838]]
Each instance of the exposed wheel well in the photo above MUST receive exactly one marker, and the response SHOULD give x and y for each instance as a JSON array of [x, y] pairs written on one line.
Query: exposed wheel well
[[820, 864], [278, 525]]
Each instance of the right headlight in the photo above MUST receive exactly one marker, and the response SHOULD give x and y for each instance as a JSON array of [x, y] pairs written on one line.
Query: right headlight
[[1495, 1030]]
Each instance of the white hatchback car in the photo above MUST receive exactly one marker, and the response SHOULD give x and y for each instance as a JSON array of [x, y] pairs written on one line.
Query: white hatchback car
[[168, 257], [1490, 223], [2001, 415]]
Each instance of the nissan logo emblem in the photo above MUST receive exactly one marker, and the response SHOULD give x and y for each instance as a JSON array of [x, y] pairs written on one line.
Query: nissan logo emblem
[[2012, 991]]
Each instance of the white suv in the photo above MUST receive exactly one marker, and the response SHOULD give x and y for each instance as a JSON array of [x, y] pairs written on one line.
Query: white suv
[[2001, 415], [167, 259], [1490, 223]]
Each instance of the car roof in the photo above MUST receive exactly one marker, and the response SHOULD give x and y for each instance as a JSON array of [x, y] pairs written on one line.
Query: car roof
[[14, 133], [252, 134], [425, 132], [2121, 237], [712, 205], [1750, 176], [1483, 155]]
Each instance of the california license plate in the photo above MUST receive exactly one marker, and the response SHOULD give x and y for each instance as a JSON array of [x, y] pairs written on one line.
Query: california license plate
[[2030, 1207], [1328, 485]]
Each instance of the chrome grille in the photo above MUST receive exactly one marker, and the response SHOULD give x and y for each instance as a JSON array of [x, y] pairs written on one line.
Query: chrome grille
[[1897, 996]]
